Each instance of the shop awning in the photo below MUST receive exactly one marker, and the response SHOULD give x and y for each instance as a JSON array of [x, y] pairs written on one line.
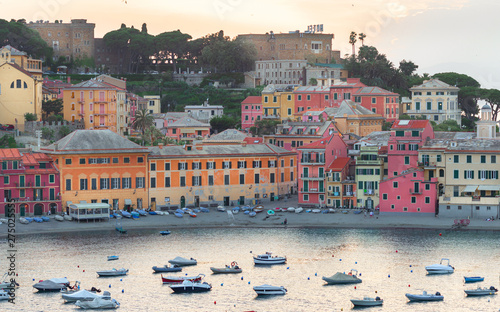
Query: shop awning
[[68, 203], [489, 187], [128, 202], [470, 188]]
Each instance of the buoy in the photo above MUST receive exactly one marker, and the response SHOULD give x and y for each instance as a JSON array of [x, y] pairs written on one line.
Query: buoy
[[359, 274], [340, 259], [215, 302], [333, 256], [389, 275], [308, 278], [248, 283], [123, 291], [33, 280], [287, 268], [77, 266], [109, 285], [315, 274], [396, 251], [83, 270], [186, 274], [121, 280], [250, 251], [408, 285], [356, 262], [439, 234], [410, 265], [242, 278], [354, 287], [222, 284], [376, 291], [411, 271]]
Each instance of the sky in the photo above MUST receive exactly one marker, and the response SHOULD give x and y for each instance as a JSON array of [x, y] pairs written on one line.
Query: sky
[[437, 35]]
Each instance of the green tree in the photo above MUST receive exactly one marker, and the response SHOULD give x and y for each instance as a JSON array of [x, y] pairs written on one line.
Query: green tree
[[47, 133], [219, 124], [362, 37], [172, 45], [30, 117], [143, 120], [50, 107], [448, 125], [227, 56], [265, 127], [64, 131], [313, 82], [18, 35], [352, 41], [407, 67], [492, 97]]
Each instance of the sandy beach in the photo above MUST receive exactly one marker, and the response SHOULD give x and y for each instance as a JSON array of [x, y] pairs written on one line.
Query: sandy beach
[[224, 219]]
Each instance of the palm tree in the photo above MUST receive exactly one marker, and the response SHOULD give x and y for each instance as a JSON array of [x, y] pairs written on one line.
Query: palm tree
[[143, 120], [362, 38], [352, 40]]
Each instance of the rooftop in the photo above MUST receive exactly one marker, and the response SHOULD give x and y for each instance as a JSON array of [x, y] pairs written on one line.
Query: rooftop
[[434, 84], [339, 163], [228, 135], [223, 150], [410, 124], [252, 99]]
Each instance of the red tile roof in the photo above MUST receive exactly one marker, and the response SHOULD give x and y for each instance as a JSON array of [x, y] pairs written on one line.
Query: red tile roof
[[252, 99], [339, 163], [317, 144], [252, 140], [10, 154], [410, 124]]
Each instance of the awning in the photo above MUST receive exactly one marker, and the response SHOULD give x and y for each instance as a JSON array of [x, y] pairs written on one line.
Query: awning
[[128, 202], [489, 187], [470, 188], [68, 203], [187, 130]]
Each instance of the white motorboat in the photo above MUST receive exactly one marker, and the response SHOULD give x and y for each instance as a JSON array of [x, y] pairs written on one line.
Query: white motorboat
[[234, 268], [443, 267], [6, 283], [221, 208], [269, 290], [180, 261], [481, 291], [84, 295], [367, 302], [267, 258], [425, 297], [291, 209], [4, 295], [191, 287], [54, 284], [68, 218], [59, 218], [98, 303], [342, 278], [299, 210], [316, 210], [23, 220], [113, 272]]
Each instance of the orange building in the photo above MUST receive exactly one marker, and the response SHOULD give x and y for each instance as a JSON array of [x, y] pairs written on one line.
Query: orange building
[[93, 101], [101, 166], [203, 175]]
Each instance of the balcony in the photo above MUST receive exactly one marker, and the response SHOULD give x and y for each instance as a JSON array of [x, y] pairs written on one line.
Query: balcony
[[416, 191], [348, 194], [312, 161], [427, 164], [312, 177], [368, 192], [368, 162], [333, 193], [312, 190]]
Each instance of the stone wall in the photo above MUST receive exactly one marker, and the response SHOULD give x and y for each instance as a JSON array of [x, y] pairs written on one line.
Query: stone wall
[[31, 126]]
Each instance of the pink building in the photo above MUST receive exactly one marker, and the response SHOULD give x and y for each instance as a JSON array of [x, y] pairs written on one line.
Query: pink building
[[379, 101], [408, 194], [30, 181], [56, 86], [314, 116], [314, 159], [344, 90], [311, 98], [186, 128], [251, 111], [407, 136]]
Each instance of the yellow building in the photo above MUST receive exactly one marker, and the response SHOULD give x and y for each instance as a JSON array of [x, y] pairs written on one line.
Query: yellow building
[[101, 167], [20, 58], [93, 101], [278, 102], [20, 92], [122, 105], [153, 104], [225, 174], [353, 118]]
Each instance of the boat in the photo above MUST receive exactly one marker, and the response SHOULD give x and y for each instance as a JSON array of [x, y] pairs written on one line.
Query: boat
[[4, 295], [178, 214], [192, 214], [111, 258], [267, 258], [135, 214], [270, 212], [367, 302], [126, 214], [84, 295], [221, 208], [54, 284], [252, 213], [284, 209], [342, 278], [120, 229], [112, 272], [153, 213], [59, 218], [45, 219], [98, 303], [269, 290], [234, 268], [180, 279], [316, 210], [203, 209], [443, 267], [235, 210], [68, 218], [167, 232], [299, 210], [23, 220], [482, 291], [191, 287], [142, 212], [166, 268], [425, 297], [473, 279], [180, 261], [38, 220], [291, 209], [6, 283], [258, 208]]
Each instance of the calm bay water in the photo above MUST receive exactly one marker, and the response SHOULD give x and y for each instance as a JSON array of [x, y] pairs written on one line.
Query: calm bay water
[[383, 257]]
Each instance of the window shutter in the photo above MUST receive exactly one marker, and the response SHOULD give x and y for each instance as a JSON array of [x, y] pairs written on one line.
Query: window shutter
[[245, 163], [207, 164], [192, 180], [472, 171], [260, 163], [179, 166], [269, 164]]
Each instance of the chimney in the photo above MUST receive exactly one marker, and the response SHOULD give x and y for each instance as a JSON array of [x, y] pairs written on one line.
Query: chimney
[[199, 147], [56, 146], [160, 145], [243, 144]]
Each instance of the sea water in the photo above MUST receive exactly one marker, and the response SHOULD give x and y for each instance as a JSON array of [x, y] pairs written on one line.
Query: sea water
[[391, 262]]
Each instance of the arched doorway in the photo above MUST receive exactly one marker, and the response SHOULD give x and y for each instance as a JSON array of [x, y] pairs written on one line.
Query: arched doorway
[[183, 202], [22, 209], [38, 210], [369, 203], [53, 208]]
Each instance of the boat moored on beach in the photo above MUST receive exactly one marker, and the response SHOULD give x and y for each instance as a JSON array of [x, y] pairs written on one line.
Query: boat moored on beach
[[265, 289], [342, 278], [425, 297], [367, 302], [112, 272], [233, 268], [481, 291], [180, 279], [190, 287], [473, 279], [443, 267], [53, 284], [180, 261], [268, 259]]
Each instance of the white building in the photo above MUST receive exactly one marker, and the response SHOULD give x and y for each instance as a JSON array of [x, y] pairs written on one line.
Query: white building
[[204, 112]]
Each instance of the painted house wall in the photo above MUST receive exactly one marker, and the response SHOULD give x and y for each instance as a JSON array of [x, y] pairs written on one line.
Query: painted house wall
[[251, 111]]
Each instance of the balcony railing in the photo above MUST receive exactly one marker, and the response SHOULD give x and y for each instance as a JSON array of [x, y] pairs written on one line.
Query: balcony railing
[[415, 191], [368, 192], [312, 190], [312, 177]]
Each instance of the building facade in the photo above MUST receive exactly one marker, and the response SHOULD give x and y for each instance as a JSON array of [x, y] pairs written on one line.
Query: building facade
[[369, 173], [204, 112], [340, 184], [251, 111]]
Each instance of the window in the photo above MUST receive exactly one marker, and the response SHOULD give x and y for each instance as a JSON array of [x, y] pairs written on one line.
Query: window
[[306, 197], [68, 161], [126, 183], [257, 164], [83, 184], [183, 181], [51, 179], [68, 184], [427, 200], [226, 165], [456, 159], [413, 199], [242, 164], [196, 181], [211, 165], [82, 161], [384, 196], [438, 158], [210, 180], [226, 179], [182, 166], [126, 160], [308, 97], [400, 133], [104, 183], [469, 159], [115, 160], [139, 182], [242, 179], [455, 174], [140, 159], [347, 96], [265, 99], [299, 97], [468, 174], [407, 160], [256, 178], [271, 178], [374, 100], [196, 165], [395, 184], [483, 159], [167, 166], [153, 166], [167, 181], [93, 183]]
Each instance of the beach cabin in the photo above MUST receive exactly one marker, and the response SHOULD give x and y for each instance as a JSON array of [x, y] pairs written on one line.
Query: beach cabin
[[93, 211]]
